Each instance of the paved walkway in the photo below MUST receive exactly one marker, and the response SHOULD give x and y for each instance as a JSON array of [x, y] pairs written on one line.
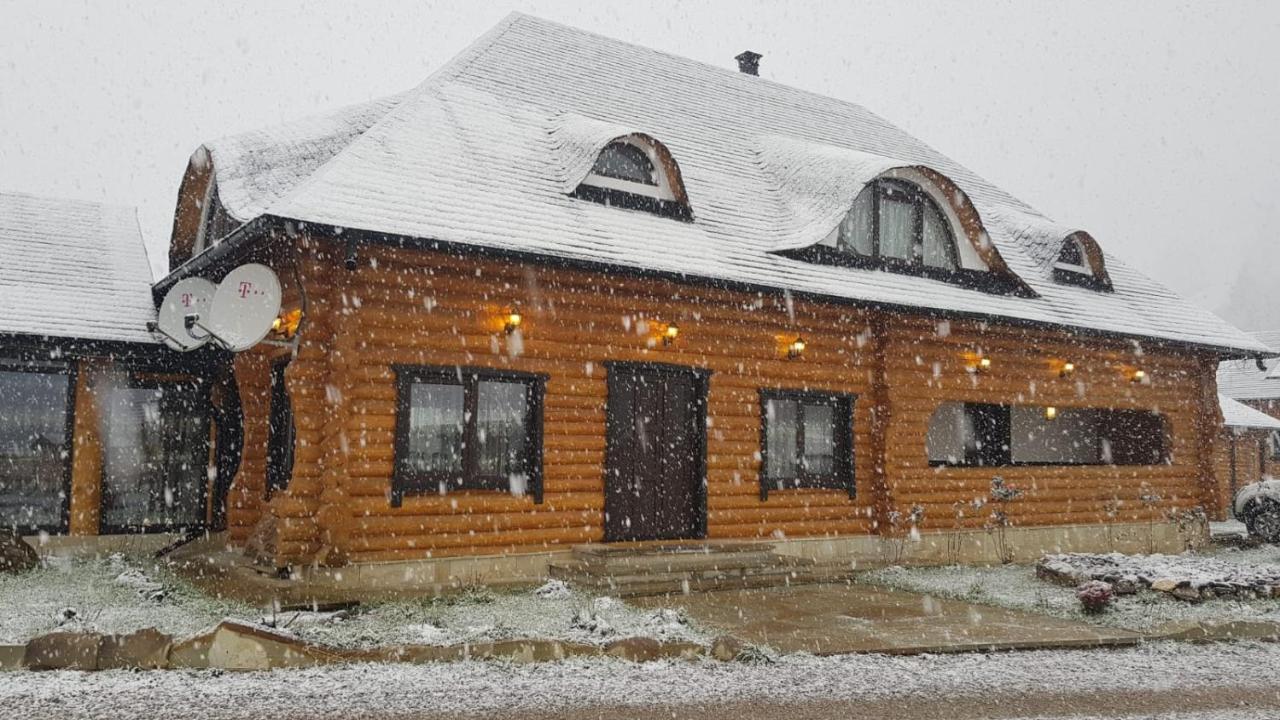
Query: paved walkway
[[834, 619]]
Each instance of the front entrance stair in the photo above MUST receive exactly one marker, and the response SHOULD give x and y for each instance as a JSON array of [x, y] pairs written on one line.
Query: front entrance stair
[[665, 568]]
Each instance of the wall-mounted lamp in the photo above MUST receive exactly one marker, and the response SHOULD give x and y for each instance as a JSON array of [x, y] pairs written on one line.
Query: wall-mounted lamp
[[513, 321], [1138, 376], [1067, 370], [796, 348], [287, 324], [1050, 413], [670, 334]]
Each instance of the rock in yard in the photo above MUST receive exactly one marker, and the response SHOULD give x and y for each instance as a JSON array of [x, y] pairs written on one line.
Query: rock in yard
[[727, 648], [635, 649], [1188, 593], [1165, 585], [1127, 585], [63, 651], [15, 554], [147, 649]]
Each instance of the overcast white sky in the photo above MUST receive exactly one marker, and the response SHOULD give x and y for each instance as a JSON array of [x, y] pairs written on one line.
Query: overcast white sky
[[1155, 126]]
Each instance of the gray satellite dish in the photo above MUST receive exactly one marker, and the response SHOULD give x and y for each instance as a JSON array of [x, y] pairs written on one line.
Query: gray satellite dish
[[244, 307], [189, 297]]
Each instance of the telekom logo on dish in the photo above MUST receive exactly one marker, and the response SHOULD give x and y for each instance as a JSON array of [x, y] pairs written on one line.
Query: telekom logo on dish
[[247, 288], [188, 299]]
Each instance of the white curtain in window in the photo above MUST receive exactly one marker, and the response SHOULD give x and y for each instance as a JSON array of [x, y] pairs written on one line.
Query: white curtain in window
[[937, 239], [781, 418], [897, 228], [855, 229], [435, 428]]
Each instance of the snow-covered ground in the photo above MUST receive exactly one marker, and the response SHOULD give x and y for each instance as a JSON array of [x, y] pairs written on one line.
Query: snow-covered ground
[[399, 691], [114, 595], [1016, 586], [119, 595]]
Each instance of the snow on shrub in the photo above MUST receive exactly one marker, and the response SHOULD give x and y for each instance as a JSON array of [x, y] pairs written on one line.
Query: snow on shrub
[[1095, 596], [553, 590]]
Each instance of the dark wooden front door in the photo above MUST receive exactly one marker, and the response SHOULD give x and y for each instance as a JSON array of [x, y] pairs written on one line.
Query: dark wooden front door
[[655, 460]]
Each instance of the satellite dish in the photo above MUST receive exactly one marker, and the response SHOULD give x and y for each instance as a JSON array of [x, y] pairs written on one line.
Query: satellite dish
[[244, 307], [191, 296]]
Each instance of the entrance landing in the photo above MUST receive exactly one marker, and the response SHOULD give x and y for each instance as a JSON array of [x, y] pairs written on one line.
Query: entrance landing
[[842, 618]]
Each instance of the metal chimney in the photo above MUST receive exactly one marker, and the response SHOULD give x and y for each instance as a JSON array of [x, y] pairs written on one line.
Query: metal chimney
[[748, 62]]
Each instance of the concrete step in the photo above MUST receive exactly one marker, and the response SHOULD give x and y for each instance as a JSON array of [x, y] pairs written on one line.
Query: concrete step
[[682, 562], [630, 585]]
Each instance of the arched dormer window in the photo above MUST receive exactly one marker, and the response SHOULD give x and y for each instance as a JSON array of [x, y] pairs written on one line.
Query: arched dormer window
[[897, 223], [636, 173], [914, 221], [1080, 263]]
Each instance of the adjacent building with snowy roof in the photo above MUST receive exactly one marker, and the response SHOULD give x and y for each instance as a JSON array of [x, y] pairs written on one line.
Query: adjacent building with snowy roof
[[101, 429], [73, 271]]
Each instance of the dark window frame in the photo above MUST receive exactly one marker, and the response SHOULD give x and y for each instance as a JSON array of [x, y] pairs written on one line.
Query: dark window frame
[[1000, 419], [1273, 443], [913, 194], [843, 476], [71, 371], [204, 391], [637, 153], [282, 432], [405, 481]]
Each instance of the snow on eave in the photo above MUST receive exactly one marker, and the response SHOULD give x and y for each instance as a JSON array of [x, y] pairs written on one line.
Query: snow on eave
[[1236, 414]]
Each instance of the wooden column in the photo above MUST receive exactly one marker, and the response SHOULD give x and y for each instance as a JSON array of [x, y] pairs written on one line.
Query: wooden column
[[86, 453]]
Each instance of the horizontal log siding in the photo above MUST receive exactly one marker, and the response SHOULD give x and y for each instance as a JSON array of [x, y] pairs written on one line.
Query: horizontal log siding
[[419, 307], [929, 364]]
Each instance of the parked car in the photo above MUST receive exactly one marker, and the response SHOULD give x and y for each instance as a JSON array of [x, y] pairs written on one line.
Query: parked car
[[1257, 505]]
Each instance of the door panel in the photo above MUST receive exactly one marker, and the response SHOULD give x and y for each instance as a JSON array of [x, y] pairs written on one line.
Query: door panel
[[655, 456]]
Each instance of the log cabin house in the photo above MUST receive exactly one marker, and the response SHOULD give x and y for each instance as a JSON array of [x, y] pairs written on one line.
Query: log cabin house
[[102, 430], [570, 290]]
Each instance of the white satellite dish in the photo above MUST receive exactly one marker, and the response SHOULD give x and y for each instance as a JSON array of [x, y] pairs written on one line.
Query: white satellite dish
[[244, 307], [187, 298]]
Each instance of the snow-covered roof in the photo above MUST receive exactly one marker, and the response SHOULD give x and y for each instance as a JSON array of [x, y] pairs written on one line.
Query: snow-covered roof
[[1242, 379], [482, 153], [73, 269], [1238, 415]]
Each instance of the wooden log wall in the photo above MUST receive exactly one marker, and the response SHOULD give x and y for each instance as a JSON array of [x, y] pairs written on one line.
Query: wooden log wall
[[930, 361], [429, 308]]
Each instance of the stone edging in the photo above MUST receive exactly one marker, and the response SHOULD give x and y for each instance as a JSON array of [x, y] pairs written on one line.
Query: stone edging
[[234, 645]]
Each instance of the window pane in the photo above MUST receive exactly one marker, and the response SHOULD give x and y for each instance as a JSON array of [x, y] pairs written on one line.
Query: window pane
[[1071, 254], [501, 409], [781, 419], [855, 229], [897, 227], [948, 430], [819, 439], [155, 457], [33, 448], [435, 428], [625, 161], [937, 239], [1070, 438]]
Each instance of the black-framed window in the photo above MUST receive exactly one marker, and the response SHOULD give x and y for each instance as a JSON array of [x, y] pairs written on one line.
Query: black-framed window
[[468, 428], [1273, 444], [624, 161], [806, 441], [280, 432], [155, 454], [36, 401], [991, 435], [897, 223]]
